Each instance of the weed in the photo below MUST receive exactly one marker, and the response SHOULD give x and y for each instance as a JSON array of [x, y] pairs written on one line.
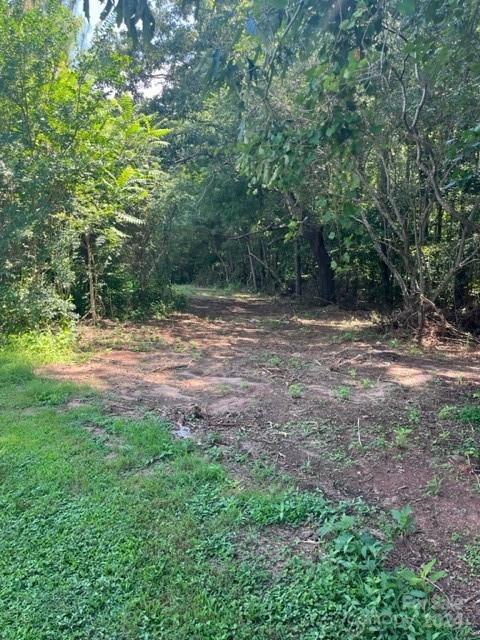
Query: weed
[[366, 383], [296, 390], [262, 471], [38, 347], [444, 435], [197, 354], [224, 388], [404, 522], [380, 442], [338, 457], [306, 427], [343, 393], [241, 457], [272, 360], [215, 454], [142, 347], [434, 486], [472, 557], [414, 350], [274, 323], [470, 414], [414, 416], [447, 412], [470, 449], [213, 439], [296, 363], [306, 466], [345, 336], [180, 346], [402, 436], [352, 373]]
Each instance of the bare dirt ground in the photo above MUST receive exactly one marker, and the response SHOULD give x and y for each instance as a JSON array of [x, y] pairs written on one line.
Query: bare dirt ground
[[318, 395]]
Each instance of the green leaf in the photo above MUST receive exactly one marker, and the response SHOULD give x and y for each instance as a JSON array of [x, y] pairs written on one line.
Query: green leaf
[[407, 7], [125, 176], [416, 593], [331, 130], [129, 219]]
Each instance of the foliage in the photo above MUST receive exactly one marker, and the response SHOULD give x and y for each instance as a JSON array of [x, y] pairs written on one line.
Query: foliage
[[470, 414], [128, 15], [38, 348], [296, 390], [404, 521], [472, 557], [348, 124], [316, 149], [77, 166]]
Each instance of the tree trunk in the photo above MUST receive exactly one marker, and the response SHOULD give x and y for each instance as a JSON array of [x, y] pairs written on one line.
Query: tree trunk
[[298, 268], [461, 287], [273, 273], [387, 289], [313, 233], [252, 268], [263, 271], [92, 289], [323, 263], [438, 226]]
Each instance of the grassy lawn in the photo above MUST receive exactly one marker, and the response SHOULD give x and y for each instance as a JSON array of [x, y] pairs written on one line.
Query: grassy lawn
[[111, 529]]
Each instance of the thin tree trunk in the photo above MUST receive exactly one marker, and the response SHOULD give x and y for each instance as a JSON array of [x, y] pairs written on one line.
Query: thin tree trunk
[[273, 273], [387, 292], [92, 289], [252, 268], [298, 268], [221, 260], [438, 227], [421, 320], [263, 271]]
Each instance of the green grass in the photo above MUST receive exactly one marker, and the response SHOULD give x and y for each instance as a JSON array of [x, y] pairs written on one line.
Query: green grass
[[296, 390], [469, 414], [343, 393], [468, 417], [112, 530], [472, 557], [35, 348], [188, 291]]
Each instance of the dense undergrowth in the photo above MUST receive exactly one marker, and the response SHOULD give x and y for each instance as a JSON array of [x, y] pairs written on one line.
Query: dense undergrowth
[[113, 529]]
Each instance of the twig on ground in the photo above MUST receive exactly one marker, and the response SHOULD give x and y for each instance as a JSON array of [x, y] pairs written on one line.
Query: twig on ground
[[170, 366], [358, 433]]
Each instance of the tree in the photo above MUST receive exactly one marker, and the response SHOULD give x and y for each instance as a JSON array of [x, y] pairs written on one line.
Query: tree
[[129, 13], [77, 168], [366, 87]]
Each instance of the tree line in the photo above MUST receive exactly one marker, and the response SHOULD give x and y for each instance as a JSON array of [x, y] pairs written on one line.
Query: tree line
[[327, 150]]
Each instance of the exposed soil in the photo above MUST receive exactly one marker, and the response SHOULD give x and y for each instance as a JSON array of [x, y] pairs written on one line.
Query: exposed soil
[[363, 420]]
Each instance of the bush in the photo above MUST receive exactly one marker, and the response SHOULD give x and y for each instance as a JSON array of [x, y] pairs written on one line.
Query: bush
[[36, 348], [33, 304]]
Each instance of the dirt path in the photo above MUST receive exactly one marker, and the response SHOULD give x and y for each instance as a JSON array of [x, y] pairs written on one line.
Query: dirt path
[[318, 396]]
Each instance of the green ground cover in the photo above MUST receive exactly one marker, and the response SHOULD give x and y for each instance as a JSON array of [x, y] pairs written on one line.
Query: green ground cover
[[111, 529]]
